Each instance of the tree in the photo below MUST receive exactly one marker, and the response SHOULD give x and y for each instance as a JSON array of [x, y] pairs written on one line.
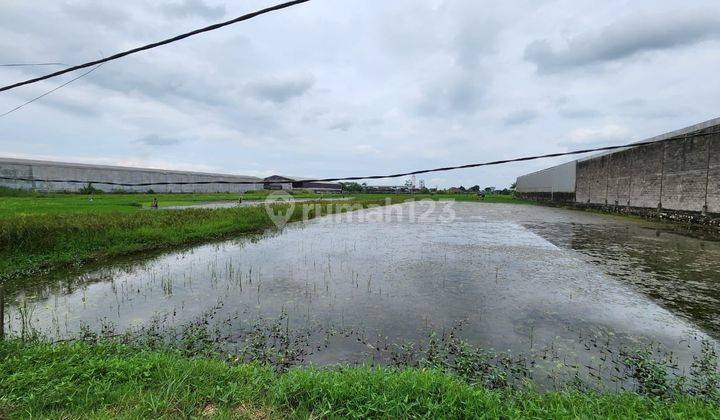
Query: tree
[[409, 185], [89, 189], [351, 187], [475, 188], [462, 188], [513, 185]]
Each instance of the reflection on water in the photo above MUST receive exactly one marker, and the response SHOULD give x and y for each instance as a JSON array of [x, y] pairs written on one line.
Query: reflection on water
[[519, 276], [681, 273]]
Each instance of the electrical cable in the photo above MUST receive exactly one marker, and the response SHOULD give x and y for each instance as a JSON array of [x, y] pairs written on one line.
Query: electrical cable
[[355, 178], [156, 44], [51, 91]]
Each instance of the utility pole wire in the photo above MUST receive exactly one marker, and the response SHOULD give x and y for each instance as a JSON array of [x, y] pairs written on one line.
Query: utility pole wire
[[156, 44], [353, 178], [520, 159], [51, 91]]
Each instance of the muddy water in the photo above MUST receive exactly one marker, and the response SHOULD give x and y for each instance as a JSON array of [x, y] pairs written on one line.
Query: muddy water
[[522, 277]]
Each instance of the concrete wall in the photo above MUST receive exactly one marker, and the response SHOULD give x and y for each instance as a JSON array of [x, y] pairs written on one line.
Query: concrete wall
[[630, 178], [43, 170], [675, 175]]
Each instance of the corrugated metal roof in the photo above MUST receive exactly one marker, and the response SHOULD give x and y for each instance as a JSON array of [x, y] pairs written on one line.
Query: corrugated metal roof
[[289, 178]]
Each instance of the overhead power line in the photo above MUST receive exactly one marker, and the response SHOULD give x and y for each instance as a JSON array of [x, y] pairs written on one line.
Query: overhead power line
[[355, 178], [156, 44], [51, 91]]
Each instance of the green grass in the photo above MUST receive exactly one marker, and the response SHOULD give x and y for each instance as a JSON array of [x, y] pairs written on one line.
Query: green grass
[[496, 198], [18, 203], [104, 380], [24, 203], [32, 244]]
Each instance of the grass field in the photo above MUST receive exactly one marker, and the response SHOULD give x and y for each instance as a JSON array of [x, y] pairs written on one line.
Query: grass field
[[18, 203], [109, 380], [41, 232]]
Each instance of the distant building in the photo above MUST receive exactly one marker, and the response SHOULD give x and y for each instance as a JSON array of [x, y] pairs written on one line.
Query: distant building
[[41, 175], [280, 182], [386, 189], [393, 189]]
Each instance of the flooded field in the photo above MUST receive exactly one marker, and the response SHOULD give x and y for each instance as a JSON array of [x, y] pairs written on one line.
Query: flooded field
[[568, 285]]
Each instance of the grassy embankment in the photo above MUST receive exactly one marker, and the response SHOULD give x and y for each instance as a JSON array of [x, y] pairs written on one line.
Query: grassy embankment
[[111, 380], [39, 232]]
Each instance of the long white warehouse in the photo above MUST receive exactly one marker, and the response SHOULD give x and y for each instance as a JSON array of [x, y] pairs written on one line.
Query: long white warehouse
[[40, 172]]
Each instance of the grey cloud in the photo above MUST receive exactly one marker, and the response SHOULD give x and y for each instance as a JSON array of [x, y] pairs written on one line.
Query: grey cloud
[[520, 117], [342, 125], [632, 103], [96, 12], [624, 39], [156, 140], [638, 107], [165, 84], [346, 123], [459, 96], [595, 137], [572, 108], [467, 40], [187, 8], [474, 40], [578, 112], [67, 104], [280, 90]]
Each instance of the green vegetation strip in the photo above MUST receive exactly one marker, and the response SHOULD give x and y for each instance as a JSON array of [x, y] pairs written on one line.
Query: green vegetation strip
[[112, 380], [15, 203]]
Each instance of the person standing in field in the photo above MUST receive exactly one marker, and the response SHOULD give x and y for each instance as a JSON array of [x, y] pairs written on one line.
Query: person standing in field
[[154, 203]]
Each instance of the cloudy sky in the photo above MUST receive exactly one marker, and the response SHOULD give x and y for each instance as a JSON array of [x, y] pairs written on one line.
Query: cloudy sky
[[356, 87]]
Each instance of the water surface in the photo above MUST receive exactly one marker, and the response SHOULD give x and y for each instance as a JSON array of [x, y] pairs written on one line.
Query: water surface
[[520, 277]]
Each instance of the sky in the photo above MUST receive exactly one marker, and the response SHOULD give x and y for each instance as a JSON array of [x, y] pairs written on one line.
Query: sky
[[335, 88]]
